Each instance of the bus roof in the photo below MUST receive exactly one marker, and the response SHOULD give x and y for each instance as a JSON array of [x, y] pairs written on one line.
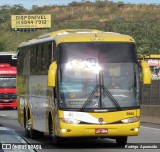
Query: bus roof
[[8, 53], [80, 35], [154, 56]]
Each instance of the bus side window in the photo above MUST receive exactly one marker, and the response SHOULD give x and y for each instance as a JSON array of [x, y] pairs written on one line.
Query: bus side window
[[39, 59], [47, 48], [42, 58], [33, 59], [20, 62], [53, 51], [25, 60]]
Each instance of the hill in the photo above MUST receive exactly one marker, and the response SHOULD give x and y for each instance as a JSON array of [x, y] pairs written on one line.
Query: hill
[[141, 21]]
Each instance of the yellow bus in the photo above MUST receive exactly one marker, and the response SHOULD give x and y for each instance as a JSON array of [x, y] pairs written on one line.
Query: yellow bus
[[80, 83]]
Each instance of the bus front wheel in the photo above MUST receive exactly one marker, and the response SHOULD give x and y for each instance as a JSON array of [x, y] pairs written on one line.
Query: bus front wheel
[[58, 141], [121, 141]]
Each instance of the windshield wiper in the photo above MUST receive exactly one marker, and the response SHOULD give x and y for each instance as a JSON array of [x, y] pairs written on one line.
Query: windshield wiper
[[111, 98], [109, 95], [101, 87], [90, 97]]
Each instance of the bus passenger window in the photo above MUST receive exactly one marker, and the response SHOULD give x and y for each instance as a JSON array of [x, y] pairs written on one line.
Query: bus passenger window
[[46, 57]]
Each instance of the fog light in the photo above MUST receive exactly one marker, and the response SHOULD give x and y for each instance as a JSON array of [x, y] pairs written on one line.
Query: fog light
[[63, 130], [136, 129]]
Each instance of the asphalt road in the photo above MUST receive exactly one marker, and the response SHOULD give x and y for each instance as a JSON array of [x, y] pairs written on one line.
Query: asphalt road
[[149, 138]]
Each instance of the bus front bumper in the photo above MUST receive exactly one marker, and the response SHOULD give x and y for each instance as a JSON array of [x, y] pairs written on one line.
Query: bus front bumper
[[107, 130], [12, 105]]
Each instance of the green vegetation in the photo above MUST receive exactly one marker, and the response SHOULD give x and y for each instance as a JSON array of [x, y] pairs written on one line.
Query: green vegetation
[[140, 21]]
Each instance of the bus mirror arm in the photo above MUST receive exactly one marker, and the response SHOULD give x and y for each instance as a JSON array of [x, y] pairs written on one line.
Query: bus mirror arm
[[146, 73], [52, 74]]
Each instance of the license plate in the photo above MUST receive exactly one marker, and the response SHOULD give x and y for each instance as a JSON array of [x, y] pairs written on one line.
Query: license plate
[[101, 131], [5, 101]]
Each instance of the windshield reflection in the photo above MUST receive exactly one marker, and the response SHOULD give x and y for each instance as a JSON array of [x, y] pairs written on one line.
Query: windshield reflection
[[7, 82], [80, 79]]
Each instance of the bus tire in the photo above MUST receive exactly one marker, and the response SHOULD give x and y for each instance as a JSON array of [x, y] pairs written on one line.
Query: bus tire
[[50, 125], [121, 141], [25, 125], [37, 134], [34, 134], [58, 141], [31, 133]]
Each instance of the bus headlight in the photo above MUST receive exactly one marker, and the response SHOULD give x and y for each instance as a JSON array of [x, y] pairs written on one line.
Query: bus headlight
[[130, 120], [69, 121]]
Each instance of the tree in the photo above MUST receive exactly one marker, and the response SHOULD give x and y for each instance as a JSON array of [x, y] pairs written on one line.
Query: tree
[[2, 46]]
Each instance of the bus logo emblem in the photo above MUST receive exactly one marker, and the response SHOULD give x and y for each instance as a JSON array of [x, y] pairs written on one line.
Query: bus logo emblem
[[100, 120]]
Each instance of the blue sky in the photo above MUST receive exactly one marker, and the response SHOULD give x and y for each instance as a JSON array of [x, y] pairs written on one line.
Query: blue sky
[[28, 3]]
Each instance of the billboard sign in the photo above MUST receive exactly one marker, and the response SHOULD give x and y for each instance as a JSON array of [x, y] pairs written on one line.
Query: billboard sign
[[155, 68], [154, 62], [30, 21]]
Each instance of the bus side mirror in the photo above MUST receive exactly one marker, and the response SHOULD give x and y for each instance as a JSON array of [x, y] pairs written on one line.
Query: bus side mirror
[[146, 72], [52, 74]]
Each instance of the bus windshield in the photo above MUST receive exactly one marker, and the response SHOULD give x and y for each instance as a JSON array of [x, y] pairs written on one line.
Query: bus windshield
[[7, 82], [87, 70]]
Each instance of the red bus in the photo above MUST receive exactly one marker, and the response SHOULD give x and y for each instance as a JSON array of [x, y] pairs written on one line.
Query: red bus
[[8, 73]]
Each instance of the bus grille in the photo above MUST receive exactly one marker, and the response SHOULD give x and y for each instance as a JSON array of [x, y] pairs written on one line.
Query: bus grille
[[9, 97]]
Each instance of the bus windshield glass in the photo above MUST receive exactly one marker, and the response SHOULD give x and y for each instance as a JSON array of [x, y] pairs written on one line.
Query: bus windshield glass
[[92, 74], [7, 82]]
